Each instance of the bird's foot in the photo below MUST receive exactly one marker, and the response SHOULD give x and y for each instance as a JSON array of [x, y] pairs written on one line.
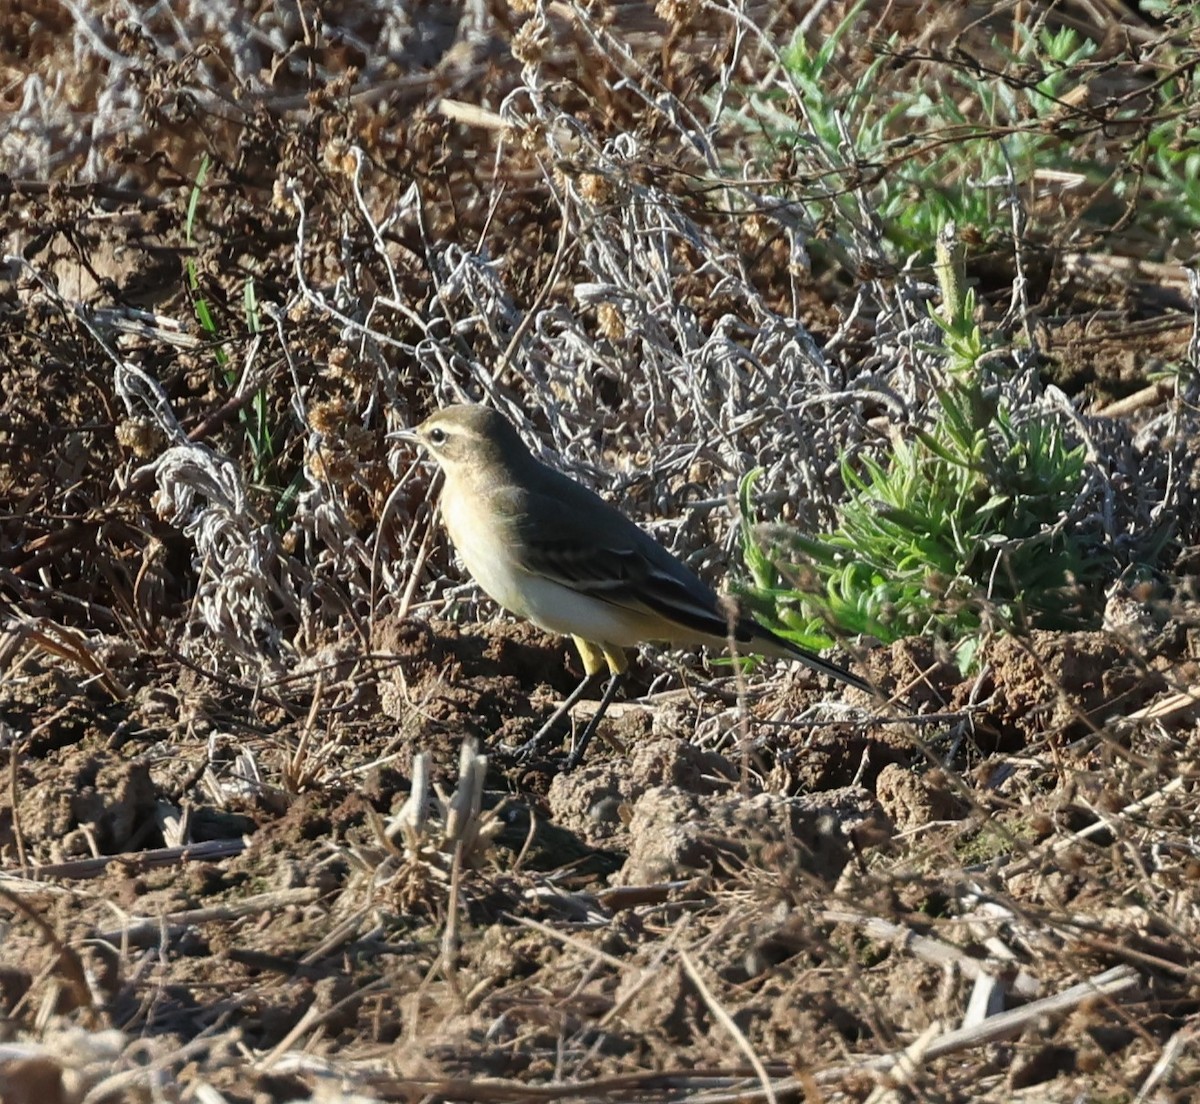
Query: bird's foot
[[528, 751], [534, 754], [532, 749], [573, 759]]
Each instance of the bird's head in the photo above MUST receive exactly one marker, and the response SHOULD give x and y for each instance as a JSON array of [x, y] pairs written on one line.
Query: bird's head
[[465, 437]]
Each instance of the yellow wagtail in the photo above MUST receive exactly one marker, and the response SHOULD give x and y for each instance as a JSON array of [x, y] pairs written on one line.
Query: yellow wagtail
[[548, 549]]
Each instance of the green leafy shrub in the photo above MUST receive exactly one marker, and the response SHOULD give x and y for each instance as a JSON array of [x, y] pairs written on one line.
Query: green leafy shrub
[[963, 525]]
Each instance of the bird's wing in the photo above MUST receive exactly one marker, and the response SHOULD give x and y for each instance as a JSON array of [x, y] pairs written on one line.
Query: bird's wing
[[576, 539], [595, 550]]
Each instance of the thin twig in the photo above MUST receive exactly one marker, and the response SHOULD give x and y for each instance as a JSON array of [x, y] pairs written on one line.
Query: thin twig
[[726, 1021]]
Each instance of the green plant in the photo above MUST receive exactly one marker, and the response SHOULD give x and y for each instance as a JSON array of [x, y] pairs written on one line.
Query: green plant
[[919, 152], [255, 421], [1007, 125], [959, 527], [200, 304], [1171, 155]]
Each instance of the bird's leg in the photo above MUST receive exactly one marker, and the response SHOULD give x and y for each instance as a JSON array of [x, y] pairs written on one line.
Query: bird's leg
[[610, 692], [596, 657], [531, 746]]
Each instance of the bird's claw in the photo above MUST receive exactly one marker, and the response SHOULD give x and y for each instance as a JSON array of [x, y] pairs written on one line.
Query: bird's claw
[[526, 753]]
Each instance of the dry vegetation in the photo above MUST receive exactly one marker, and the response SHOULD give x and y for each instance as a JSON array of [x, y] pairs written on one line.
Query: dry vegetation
[[244, 853]]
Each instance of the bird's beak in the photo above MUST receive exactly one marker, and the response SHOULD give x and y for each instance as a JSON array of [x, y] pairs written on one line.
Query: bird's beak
[[408, 436]]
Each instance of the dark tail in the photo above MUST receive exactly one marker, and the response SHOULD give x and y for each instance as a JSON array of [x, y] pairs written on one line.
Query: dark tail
[[754, 636]]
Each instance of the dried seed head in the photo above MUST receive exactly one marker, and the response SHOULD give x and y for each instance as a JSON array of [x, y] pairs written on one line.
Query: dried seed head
[[141, 435], [328, 465], [339, 361], [756, 228], [677, 14], [346, 365], [339, 157], [531, 138], [329, 418], [596, 189], [609, 322], [529, 43]]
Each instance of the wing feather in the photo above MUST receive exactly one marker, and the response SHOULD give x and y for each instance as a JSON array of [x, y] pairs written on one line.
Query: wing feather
[[595, 550]]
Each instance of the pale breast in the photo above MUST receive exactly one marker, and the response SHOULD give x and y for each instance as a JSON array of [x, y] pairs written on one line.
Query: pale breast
[[484, 552]]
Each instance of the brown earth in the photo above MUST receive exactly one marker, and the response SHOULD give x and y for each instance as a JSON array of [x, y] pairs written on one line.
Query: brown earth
[[754, 853]]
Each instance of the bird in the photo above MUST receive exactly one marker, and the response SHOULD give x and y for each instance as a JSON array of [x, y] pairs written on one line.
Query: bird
[[550, 550]]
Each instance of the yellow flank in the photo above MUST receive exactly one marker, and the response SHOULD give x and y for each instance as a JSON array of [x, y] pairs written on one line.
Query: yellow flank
[[618, 659], [598, 656]]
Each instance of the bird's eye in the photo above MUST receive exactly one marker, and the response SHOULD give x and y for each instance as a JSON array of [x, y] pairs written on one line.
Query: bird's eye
[[437, 436]]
